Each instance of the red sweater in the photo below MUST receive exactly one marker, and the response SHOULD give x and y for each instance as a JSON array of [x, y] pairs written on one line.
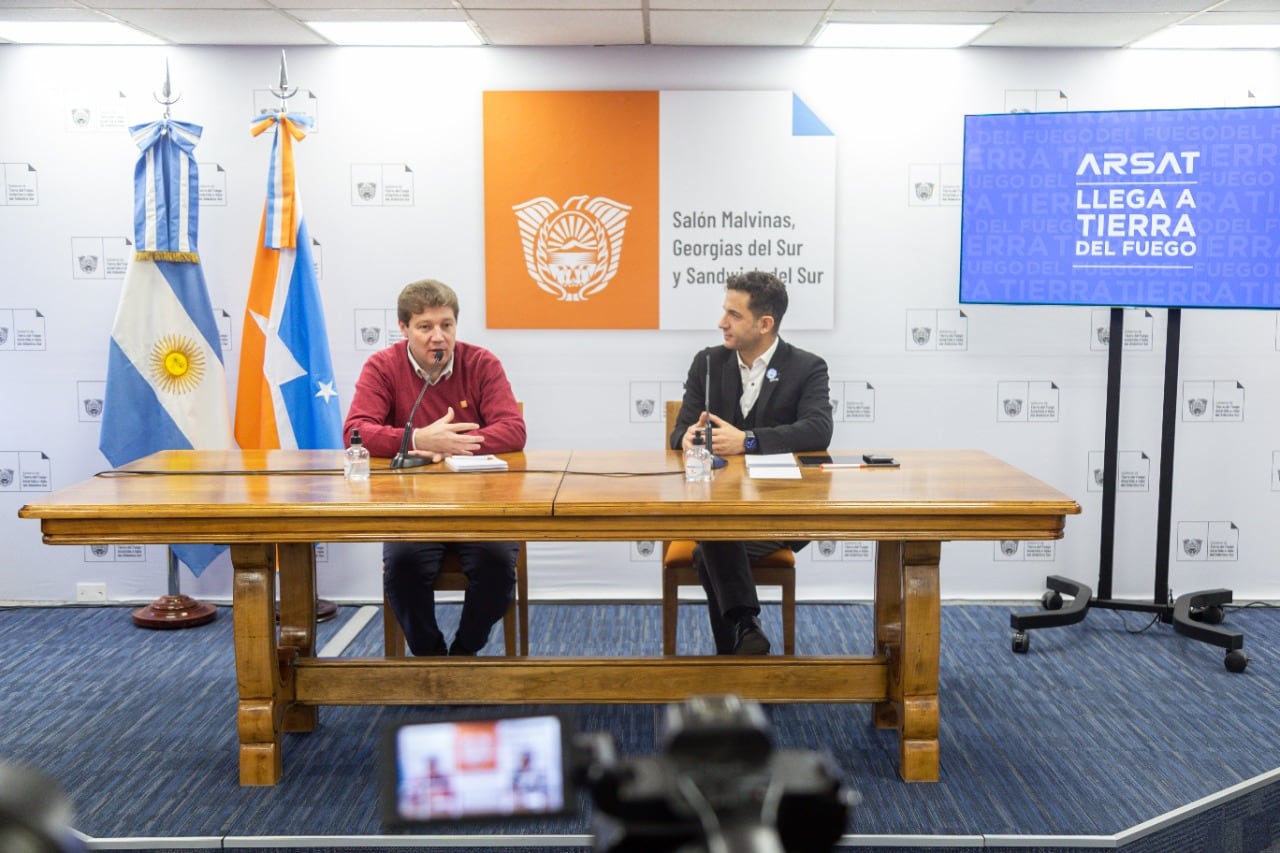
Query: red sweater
[[477, 389]]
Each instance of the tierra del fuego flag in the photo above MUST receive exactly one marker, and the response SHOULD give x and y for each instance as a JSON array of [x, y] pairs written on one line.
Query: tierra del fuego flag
[[166, 386], [286, 396]]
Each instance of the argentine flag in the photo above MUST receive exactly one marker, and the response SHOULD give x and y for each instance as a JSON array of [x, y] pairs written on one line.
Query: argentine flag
[[166, 385], [286, 395]]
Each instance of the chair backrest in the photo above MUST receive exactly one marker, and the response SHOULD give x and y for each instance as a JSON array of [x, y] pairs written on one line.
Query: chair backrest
[[673, 412]]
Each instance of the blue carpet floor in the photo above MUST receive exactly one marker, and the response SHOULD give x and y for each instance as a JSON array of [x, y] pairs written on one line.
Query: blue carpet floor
[[1093, 732]]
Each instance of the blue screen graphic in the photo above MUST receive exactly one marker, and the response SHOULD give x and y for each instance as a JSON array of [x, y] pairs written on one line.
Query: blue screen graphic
[[1154, 208]]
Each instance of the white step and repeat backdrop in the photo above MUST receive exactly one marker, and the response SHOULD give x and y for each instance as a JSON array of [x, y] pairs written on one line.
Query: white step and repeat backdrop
[[393, 182]]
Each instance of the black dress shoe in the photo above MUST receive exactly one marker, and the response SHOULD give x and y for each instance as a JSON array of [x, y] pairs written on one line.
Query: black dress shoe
[[457, 651], [751, 638]]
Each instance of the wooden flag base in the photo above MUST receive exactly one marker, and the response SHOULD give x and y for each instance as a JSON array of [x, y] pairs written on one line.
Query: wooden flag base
[[174, 611], [325, 610]]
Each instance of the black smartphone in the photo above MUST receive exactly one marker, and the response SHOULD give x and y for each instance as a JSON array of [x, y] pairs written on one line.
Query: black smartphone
[[879, 459], [467, 767], [814, 459]]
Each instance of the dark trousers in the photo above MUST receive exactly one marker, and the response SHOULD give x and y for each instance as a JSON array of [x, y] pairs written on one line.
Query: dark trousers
[[725, 571], [409, 572]]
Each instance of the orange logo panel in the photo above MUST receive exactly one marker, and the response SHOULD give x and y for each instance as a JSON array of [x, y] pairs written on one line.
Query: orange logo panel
[[571, 210]]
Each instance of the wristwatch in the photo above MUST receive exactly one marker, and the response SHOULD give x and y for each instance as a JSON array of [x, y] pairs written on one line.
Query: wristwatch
[[751, 445]]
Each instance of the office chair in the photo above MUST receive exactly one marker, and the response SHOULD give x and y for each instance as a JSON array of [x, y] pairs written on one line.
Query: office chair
[[775, 569]]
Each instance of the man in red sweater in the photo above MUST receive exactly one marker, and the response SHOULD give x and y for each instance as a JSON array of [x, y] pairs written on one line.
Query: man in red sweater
[[468, 408]]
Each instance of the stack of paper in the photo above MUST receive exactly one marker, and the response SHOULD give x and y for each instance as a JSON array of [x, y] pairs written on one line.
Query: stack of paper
[[772, 466], [488, 462]]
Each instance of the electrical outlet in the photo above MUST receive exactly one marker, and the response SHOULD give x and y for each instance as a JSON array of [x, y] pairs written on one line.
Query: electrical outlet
[[91, 592]]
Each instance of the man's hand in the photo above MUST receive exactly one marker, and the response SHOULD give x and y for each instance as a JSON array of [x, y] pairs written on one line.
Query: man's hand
[[727, 439], [443, 438]]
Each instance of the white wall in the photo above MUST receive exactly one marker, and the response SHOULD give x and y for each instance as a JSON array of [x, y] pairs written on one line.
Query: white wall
[[894, 113]]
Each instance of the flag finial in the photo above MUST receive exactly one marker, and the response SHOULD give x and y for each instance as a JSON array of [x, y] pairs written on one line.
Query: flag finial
[[284, 93], [166, 95]]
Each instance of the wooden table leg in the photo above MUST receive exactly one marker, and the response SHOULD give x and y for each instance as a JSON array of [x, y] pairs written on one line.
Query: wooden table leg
[[908, 634], [296, 564], [260, 677], [887, 610]]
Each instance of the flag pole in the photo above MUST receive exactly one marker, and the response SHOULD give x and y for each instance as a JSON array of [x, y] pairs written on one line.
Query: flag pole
[[325, 609], [174, 609]]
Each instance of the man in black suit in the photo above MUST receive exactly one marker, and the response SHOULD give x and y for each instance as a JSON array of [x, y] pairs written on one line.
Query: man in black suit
[[766, 397]]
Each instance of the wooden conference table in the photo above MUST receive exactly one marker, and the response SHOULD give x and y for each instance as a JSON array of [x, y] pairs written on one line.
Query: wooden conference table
[[272, 506]]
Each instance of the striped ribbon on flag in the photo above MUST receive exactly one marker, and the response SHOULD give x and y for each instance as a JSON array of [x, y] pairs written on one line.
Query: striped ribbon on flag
[[166, 180]]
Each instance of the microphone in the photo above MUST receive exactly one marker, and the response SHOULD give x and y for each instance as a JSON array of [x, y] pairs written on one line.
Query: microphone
[[403, 459], [716, 461]]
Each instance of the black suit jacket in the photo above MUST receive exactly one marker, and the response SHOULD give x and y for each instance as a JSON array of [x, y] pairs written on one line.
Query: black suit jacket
[[792, 414]]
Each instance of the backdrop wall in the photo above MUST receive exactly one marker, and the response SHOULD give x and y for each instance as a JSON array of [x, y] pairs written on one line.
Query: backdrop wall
[[910, 367]]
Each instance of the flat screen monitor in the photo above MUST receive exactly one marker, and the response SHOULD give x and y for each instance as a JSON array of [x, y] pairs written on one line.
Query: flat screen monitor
[[1132, 208]]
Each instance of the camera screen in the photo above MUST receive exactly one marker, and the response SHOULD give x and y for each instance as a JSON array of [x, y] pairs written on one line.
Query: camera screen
[[475, 768]]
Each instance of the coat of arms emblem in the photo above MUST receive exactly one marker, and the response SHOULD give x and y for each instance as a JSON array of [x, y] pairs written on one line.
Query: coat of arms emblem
[[1012, 407], [6, 478], [645, 548], [80, 116], [924, 190], [920, 335], [1097, 476], [93, 407], [1197, 406], [644, 408], [366, 190], [572, 252], [826, 547], [370, 335], [88, 263], [1104, 335], [98, 550], [1191, 547], [1008, 547], [4, 335]]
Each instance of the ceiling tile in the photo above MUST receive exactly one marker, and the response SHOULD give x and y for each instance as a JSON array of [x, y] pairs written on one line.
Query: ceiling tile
[[776, 28], [550, 27]]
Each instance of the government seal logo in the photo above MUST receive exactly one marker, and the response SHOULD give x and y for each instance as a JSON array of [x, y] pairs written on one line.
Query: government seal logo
[[645, 548], [572, 252], [88, 263], [1008, 547], [366, 190], [1012, 407], [1191, 547], [6, 478], [924, 190], [4, 335], [826, 547], [1197, 406], [92, 407], [920, 335], [370, 335], [644, 408]]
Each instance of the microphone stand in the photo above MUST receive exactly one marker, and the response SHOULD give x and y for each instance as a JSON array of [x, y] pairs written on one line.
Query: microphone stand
[[403, 459]]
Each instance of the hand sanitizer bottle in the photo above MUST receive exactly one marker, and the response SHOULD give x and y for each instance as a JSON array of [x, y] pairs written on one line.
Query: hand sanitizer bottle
[[355, 465], [697, 461]]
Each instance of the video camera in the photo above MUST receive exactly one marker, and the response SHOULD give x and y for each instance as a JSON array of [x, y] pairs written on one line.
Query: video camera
[[717, 785]]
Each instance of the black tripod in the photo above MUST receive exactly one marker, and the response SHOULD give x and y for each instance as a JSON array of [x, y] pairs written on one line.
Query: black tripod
[[1195, 614]]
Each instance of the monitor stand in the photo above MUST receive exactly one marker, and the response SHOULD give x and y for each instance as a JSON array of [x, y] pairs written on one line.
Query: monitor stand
[[1196, 614]]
